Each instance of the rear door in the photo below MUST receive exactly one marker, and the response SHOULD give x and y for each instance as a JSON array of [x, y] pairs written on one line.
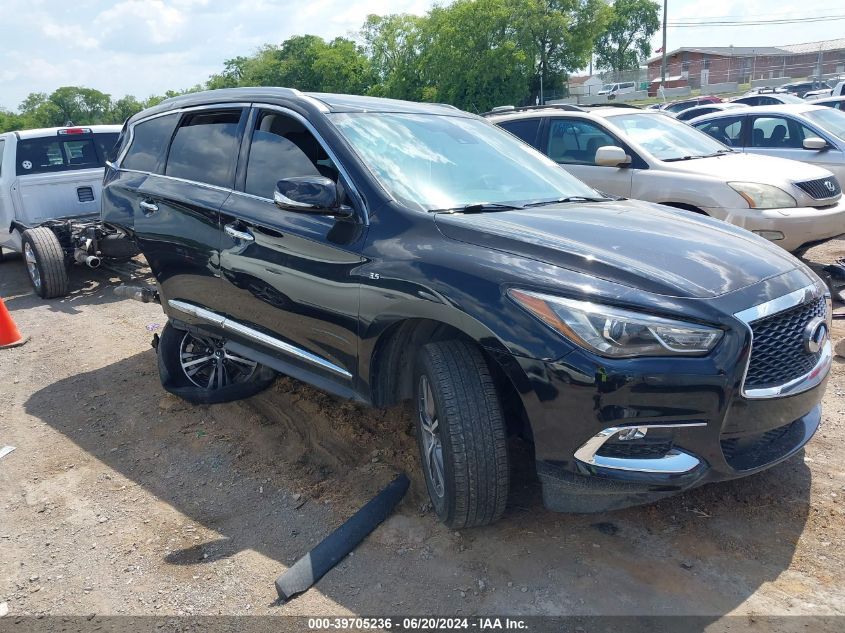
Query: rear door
[[290, 277], [572, 143], [177, 209]]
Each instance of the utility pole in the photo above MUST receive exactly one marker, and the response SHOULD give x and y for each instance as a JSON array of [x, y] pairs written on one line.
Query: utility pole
[[663, 64]]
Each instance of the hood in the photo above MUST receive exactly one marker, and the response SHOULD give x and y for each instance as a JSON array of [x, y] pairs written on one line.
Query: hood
[[645, 246], [750, 168]]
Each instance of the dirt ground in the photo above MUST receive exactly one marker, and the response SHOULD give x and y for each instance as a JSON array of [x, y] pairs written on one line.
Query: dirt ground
[[122, 499]]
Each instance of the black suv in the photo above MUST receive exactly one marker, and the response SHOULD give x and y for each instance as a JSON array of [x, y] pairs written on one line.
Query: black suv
[[385, 250]]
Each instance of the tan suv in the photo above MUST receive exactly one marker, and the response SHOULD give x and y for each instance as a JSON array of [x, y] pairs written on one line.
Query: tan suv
[[647, 155]]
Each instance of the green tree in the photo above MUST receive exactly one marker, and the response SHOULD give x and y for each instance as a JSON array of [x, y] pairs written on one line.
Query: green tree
[[472, 57], [393, 44], [559, 35], [626, 42], [80, 105], [124, 108]]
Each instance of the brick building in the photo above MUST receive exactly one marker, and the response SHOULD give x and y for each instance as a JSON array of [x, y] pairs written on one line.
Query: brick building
[[717, 64]]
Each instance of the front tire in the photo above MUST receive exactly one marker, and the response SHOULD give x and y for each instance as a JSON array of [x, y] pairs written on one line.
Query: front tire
[[45, 262], [461, 434]]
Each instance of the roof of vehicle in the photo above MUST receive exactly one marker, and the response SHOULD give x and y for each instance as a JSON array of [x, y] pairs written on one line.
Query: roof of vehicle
[[54, 131], [528, 112], [323, 101], [783, 108], [827, 100]]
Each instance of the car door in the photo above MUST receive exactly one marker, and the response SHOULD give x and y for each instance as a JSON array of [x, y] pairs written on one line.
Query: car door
[[177, 211], [289, 277], [572, 143], [783, 136]]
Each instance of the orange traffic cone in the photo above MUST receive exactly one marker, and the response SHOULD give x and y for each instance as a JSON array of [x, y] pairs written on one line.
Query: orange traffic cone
[[10, 336]]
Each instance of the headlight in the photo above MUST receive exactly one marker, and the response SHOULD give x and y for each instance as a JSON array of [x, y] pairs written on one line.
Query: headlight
[[759, 196], [616, 332]]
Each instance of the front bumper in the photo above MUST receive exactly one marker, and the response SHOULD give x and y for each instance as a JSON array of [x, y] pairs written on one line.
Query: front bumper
[[714, 433], [799, 225]]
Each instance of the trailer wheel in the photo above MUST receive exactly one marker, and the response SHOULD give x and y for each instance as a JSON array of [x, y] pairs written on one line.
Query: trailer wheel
[[45, 262]]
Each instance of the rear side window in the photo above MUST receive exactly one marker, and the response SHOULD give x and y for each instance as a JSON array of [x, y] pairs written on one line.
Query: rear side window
[[205, 148], [106, 145], [526, 129], [56, 153], [149, 144]]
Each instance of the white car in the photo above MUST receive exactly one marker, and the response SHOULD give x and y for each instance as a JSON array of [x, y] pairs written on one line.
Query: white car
[[807, 132], [767, 98], [50, 185], [707, 108], [645, 155]]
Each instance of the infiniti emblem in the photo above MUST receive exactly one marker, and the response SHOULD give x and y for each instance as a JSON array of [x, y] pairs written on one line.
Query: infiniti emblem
[[830, 187], [815, 335]]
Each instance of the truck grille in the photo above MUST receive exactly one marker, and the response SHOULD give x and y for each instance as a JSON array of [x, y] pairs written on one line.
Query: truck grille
[[85, 194], [777, 348], [821, 188]]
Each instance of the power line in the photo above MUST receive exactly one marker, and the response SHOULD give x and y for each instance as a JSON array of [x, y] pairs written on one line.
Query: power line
[[821, 18], [751, 16]]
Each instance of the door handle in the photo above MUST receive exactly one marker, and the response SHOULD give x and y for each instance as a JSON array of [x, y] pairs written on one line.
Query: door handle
[[148, 207], [244, 236]]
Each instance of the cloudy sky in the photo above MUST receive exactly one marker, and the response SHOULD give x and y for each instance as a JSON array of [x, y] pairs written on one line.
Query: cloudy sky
[[145, 47]]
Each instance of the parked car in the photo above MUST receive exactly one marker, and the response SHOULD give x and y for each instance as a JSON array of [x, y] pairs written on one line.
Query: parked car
[[50, 182], [806, 132], [387, 251], [697, 111], [801, 88], [677, 107], [831, 102], [767, 98], [611, 91], [644, 155], [838, 90]]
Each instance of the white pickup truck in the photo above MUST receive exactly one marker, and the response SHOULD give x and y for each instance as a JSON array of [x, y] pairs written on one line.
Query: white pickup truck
[[50, 184]]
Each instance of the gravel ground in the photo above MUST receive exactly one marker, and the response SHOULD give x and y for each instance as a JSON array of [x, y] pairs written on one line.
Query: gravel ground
[[121, 499]]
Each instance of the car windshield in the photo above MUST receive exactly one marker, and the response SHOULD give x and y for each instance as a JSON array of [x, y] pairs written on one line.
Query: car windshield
[[830, 119], [607, 87], [449, 162], [665, 138]]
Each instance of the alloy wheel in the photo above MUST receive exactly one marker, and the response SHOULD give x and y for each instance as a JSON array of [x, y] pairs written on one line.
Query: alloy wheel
[[32, 265], [432, 443], [207, 363]]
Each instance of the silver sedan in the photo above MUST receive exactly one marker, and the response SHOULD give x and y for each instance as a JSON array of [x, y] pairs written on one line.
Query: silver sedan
[[806, 132]]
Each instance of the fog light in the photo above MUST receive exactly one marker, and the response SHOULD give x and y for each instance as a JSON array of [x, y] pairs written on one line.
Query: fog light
[[634, 433], [774, 236]]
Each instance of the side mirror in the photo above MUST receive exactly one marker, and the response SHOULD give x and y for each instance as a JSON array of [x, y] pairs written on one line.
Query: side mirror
[[814, 142], [309, 194], [611, 156]]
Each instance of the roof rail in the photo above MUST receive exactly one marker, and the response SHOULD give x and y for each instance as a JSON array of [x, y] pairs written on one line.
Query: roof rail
[[553, 106], [610, 105]]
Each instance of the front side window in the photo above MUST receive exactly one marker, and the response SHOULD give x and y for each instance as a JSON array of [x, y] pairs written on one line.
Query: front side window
[[778, 132], [56, 153], [575, 142], [205, 147], [282, 147], [526, 129], [665, 138], [150, 140], [430, 161]]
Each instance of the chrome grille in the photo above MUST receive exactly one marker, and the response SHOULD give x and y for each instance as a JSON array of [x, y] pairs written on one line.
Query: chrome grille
[[821, 188], [85, 194], [777, 348]]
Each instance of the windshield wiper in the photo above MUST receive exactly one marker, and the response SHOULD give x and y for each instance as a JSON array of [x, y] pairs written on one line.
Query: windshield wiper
[[718, 152], [478, 207], [567, 199]]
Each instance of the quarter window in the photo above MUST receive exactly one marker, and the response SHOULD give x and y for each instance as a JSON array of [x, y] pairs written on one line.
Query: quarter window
[[149, 144], [205, 147], [526, 129], [575, 142]]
